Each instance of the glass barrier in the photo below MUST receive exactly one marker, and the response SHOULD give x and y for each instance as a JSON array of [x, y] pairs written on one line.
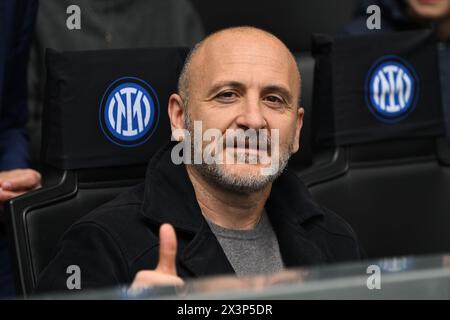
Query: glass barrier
[[425, 277]]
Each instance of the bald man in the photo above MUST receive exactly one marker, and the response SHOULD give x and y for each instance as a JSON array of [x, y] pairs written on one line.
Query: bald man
[[241, 215]]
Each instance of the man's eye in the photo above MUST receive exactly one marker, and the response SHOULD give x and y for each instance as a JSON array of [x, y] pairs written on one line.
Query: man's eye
[[227, 95], [274, 99]]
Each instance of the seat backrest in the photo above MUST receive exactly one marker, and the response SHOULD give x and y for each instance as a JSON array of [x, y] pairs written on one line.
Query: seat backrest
[[394, 194], [104, 117], [382, 164], [292, 21]]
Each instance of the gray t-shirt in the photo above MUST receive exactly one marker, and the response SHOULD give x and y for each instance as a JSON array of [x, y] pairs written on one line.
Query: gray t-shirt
[[253, 251]]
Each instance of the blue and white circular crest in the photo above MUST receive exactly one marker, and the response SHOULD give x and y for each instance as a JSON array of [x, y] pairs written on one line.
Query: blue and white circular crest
[[129, 112], [391, 89]]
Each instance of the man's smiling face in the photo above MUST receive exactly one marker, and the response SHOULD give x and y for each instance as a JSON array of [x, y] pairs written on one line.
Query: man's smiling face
[[245, 79]]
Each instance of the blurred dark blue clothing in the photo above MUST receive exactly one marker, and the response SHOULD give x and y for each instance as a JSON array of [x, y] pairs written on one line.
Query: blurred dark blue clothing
[[394, 17], [7, 288], [17, 19]]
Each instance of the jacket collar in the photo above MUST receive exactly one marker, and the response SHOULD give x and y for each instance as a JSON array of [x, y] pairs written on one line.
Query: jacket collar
[[170, 198]]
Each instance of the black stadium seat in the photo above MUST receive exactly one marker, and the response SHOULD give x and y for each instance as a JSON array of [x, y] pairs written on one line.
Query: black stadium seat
[[87, 162], [387, 174], [393, 193]]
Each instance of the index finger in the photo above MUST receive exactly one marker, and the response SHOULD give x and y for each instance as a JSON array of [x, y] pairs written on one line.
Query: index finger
[[167, 250]]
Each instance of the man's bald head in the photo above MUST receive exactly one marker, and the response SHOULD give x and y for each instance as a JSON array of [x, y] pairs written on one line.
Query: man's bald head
[[224, 38], [239, 79]]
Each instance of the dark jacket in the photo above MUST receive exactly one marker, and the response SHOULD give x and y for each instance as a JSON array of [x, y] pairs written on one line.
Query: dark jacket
[[17, 19], [105, 25], [114, 242]]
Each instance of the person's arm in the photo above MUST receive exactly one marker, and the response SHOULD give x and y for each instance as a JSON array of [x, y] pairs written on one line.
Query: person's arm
[[13, 112]]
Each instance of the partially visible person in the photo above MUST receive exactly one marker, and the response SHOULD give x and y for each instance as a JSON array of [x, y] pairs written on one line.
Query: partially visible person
[[402, 15], [17, 19], [105, 25], [436, 12]]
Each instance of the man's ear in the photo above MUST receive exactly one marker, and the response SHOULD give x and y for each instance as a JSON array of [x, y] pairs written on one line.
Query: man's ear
[[298, 128], [176, 114]]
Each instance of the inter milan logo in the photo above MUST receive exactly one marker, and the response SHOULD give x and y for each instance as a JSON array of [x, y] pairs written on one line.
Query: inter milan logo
[[391, 89], [129, 112]]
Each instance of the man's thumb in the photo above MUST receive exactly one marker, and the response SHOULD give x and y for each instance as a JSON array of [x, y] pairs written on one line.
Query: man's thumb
[[167, 250]]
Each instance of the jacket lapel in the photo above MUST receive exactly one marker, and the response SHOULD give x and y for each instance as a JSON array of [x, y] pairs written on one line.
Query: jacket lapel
[[295, 248], [204, 256], [290, 207]]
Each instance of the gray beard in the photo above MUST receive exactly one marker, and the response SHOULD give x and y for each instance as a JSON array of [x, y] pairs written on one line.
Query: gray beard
[[215, 173]]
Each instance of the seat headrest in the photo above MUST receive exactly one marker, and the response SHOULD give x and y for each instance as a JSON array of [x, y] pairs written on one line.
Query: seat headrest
[[376, 87], [291, 16], [108, 108]]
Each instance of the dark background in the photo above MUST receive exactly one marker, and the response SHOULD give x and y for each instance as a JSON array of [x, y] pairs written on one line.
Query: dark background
[[293, 21]]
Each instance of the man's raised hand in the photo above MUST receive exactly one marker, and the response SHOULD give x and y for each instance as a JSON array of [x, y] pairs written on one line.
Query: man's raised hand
[[165, 272]]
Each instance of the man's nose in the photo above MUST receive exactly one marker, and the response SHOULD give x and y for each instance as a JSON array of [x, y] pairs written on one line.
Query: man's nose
[[251, 116]]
